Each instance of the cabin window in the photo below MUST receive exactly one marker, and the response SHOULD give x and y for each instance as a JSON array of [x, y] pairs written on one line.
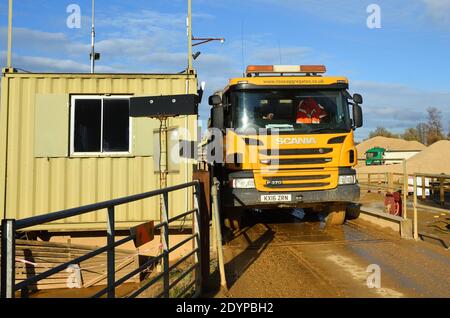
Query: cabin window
[[100, 125]]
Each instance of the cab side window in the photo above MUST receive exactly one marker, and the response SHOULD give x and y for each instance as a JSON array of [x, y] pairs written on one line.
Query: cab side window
[[228, 111]]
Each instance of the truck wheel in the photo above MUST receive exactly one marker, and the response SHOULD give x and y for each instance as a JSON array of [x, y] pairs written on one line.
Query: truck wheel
[[353, 211], [335, 215]]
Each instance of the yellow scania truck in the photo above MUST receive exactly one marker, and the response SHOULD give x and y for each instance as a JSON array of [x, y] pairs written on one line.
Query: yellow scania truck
[[287, 133]]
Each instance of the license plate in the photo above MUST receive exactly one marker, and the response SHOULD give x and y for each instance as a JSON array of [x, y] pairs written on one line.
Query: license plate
[[276, 198]]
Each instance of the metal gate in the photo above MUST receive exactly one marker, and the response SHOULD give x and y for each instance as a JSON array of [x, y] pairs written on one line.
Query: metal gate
[[10, 227]]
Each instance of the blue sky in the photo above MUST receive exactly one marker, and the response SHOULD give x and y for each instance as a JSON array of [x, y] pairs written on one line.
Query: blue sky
[[401, 69]]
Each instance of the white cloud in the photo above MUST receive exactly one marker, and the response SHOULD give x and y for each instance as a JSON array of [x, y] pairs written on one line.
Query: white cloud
[[438, 10], [282, 55], [396, 106], [25, 39], [46, 64], [398, 12]]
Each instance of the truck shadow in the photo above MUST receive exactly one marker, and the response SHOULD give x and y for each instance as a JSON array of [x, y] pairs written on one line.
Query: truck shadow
[[246, 245], [239, 258]]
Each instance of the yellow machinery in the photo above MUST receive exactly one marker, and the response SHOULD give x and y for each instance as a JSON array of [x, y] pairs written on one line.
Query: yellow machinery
[[287, 141]]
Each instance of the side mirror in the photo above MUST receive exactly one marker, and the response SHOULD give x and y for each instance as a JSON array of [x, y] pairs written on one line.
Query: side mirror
[[357, 116], [357, 98], [217, 117], [214, 100]]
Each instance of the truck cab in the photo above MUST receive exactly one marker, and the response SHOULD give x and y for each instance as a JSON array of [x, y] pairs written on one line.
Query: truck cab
[[288, 140], [375, 156]]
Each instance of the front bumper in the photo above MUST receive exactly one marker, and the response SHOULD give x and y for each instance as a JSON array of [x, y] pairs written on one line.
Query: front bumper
[[251, 198]]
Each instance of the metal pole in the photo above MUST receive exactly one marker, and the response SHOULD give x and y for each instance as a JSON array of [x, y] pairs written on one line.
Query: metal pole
[[216, 217], [165, 243], [163, 165], [416, 233], [110, 254], [189, 35], [8, 261], [405, 189], [93, 38], [198, 242], [10, 17]]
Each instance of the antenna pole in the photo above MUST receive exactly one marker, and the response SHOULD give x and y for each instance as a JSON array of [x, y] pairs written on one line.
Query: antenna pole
[[242, 48], [10, 17], [93, 38], [189, 35], [279, 51]]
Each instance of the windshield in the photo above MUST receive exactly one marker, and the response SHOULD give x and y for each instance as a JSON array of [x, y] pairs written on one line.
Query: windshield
[[291, 111]]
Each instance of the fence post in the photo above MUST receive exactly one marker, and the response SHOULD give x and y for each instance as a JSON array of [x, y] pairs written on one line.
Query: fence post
[[198, 241], [8, 262], [405, 189], [416, 233], [441, 191], [165, 243], [432, 190], [423, 187], [390, 181], [379, 182], [218, 231], [204, 202], [111, 267]]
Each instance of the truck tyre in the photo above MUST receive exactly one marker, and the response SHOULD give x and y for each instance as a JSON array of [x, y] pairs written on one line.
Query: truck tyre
[[335, 215], [353, 211]]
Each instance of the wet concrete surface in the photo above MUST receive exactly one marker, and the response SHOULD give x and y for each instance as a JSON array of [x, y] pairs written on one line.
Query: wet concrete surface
[[279, 255], [434, 227]]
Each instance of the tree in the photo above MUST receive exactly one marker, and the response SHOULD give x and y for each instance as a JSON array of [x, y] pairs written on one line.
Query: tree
[[448, 135], [422, 132], [434, 126], [381, 131], [411, 134]]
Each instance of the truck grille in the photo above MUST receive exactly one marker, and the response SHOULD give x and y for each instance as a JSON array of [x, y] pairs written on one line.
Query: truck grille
[[297, 185], [279, 182], [301, 161], [295, 180], [293, 152]]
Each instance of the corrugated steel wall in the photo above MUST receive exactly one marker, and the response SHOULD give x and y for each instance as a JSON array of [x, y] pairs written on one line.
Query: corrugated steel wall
[[40, 185]]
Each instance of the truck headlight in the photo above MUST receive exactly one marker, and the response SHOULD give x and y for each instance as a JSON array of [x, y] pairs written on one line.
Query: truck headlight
[[347, 179], [243, 183]]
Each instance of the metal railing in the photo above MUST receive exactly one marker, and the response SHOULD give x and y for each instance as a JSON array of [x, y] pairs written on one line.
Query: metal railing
[[11, 226], [442, 182], [389, 184], [439, 184]]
